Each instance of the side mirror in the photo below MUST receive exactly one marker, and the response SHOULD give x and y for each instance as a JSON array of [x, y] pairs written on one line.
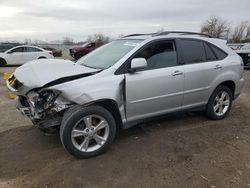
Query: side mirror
[[138, 64]]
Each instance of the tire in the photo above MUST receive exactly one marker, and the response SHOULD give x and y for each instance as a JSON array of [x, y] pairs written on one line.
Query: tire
[[218, 106], [2, 62], [81, 140]]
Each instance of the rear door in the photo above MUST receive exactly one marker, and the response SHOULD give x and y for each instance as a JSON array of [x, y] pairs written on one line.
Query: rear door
[[157, 89], [202, 66]]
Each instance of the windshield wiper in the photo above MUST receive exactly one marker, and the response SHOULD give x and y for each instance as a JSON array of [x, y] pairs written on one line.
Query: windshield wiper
[[92, 67]]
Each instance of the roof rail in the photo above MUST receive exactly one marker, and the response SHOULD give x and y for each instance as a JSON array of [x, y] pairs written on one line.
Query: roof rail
[[134, 35], [181, 33], [170, 32]]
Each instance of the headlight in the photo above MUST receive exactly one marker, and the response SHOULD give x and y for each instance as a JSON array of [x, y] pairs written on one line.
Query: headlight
[[43, 100], [32, 96], [46, 99]]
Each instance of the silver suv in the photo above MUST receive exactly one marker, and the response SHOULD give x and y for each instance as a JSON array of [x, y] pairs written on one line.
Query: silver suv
[[125, 82]]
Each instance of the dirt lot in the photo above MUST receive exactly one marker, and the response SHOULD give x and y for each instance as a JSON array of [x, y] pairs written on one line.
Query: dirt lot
[[179, 151]]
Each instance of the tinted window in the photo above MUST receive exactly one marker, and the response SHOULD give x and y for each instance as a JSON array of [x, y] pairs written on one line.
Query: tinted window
[[193, 51], [209, 53], [159, 55], [218, 52], [20, 49], [31, 49]]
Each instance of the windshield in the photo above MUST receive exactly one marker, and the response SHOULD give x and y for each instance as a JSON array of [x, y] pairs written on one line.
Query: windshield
[[246, 47], [107, 55]]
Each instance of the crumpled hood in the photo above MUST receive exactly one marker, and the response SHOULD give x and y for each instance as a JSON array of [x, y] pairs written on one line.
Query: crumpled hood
[[40, 72]]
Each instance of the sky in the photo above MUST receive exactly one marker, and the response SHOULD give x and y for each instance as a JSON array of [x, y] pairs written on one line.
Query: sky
[[55, 19]]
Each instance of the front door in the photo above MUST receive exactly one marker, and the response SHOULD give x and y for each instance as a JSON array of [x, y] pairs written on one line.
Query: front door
[[15, 56], [157, 89]]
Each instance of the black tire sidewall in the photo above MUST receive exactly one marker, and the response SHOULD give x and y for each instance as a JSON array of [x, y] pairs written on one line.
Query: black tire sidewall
[[2, 62], [210, 106], [73, 117]]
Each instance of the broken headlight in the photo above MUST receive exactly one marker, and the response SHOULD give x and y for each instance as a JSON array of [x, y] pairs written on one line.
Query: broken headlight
[[43, 100]]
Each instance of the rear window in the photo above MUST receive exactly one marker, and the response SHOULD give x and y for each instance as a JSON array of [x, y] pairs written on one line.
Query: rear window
[[218, 52], [193, 51]]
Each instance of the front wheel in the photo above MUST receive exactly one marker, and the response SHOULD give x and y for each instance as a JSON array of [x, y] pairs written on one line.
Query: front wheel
[[219, 103], [87, 131]]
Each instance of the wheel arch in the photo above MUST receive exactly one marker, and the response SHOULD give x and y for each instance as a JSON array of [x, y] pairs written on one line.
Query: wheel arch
[[230, 84], [112, 107], [42, 57]]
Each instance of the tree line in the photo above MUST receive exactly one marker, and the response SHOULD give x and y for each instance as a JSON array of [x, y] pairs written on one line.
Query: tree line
[[220, 28]]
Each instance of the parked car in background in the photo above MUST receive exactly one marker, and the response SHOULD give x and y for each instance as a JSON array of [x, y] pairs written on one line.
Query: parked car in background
[[126, 82], [80, 51], [244, 52], [55, 52], [7, 45], [235, 46], [21, 54]]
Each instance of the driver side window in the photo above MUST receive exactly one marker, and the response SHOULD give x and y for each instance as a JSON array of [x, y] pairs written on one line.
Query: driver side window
[[159, 55]]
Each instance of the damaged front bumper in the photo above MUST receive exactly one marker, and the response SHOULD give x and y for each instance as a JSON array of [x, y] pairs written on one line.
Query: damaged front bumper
[[45, 107], [44, 120]]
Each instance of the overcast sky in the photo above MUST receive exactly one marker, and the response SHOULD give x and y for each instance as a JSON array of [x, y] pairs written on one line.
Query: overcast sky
[[55, 19]]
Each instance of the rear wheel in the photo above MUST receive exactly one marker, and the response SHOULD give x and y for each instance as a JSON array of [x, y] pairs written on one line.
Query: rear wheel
[[2, 62], [219, 103], [42, 57], [87, 131]]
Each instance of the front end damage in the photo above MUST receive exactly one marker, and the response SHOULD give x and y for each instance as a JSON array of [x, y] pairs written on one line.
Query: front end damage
[[44, 96], [45, 108]]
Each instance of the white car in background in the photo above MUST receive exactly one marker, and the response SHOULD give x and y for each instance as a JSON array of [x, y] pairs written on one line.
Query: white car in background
[[22, 54]]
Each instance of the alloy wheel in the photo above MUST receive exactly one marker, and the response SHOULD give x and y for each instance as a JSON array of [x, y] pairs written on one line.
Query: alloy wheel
[[221, 103], [90, 133]]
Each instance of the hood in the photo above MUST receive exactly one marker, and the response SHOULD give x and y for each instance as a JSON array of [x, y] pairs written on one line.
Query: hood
[[38, 73]]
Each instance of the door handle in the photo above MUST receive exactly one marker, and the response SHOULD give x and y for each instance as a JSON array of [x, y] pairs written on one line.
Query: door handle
[[217, 67], [177, 73]]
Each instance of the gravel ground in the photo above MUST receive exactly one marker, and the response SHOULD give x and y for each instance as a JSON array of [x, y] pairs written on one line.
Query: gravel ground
[[185, 150]]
